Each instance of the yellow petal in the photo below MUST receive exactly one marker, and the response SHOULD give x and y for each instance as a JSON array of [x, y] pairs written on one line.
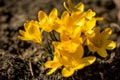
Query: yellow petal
[[65, 17], [65, 59], [51, 71], [24, 38], [80, 66], [90, 33], [80, 22], [42, 17], [102, 53], [66, 72], [70, 8], [55, 43], [65, 6], [64, 37], [33, 29], [24, 35], [52, 64], [53, 13], [70, 5], [32, 32], [79, 52], [91, 24], [76, 33], [106, 33], [80, 6], [92, 48], [99, 18], [73, 8], [90, 14], [88, 60], [97, 31], [26, 25], [22, 32], [111, 45]]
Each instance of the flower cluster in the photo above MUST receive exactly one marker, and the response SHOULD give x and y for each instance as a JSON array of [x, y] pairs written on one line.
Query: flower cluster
[[77, 29]]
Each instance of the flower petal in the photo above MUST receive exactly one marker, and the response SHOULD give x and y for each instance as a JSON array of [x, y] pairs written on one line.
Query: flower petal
[[52, 64], [24, 35], [24, 38], [53, 13], [111, 45], [66, 72], [106, 33], [65, 17], [79, 52], [42, 17], [34, 31], [91, 46], [88, 60], [73, 8], [22, 32], [90, 14], [91, 24], [51, 71], [65, 6], [80, 6], [77, 32], [80, 66], [97, 31], [102, 53]]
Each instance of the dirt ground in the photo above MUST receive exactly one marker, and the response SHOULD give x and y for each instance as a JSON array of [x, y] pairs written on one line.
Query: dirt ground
[[21, 60]]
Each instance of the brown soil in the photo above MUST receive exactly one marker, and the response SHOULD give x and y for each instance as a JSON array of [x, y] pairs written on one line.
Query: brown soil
[[20, 60]]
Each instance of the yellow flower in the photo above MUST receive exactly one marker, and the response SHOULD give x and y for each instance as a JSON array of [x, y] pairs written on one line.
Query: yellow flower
[[79, 8], [72, 8], [76, 28], [55, 64], [68, 71], [32, 32], [100, 42], [66, 45], [70, 61], [78, 18], [87, 29], [83, 22], [51, 22], [67, 22], [72, 25], [69, 54], [69, 39]]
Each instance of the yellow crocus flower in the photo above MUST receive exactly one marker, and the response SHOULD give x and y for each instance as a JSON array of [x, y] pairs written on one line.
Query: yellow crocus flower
[[78, 8], [72, 8], [70, 61], [87, 29], [72, 24], [77, 17], [76, 28], [55, 63], [100, 42], [81, 23], [51, 22], [32, 32]]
